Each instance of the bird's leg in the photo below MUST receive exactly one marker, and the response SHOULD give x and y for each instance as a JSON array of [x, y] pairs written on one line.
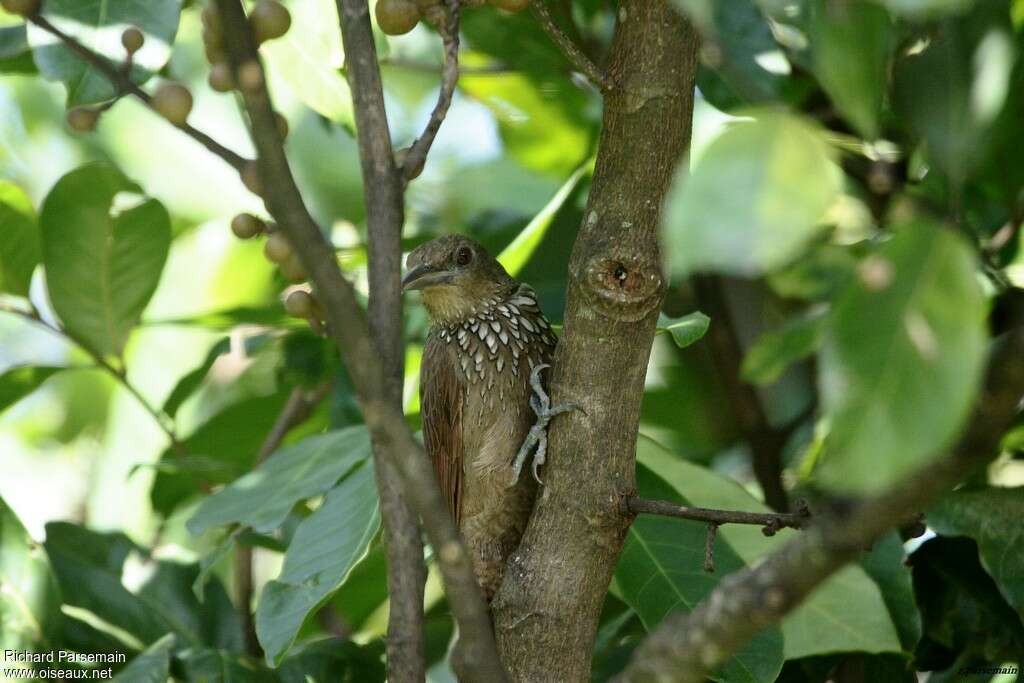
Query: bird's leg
[[538, 434]]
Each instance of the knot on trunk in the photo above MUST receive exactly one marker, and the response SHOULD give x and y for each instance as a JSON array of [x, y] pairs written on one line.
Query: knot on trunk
[[624, 287]]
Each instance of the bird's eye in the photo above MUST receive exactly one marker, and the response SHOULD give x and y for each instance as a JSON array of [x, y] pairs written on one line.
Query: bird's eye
[[463, 256]]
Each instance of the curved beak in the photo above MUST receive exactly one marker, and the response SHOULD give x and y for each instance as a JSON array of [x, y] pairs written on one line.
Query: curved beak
[[425, 276]]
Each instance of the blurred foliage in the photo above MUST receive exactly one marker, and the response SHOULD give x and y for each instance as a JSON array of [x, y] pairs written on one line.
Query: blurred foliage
[[855, 179]]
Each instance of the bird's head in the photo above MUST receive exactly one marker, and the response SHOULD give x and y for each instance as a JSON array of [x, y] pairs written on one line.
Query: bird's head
[[457, 277]]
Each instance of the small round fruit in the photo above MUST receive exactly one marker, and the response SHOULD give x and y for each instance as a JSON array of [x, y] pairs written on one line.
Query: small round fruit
[[277, 249], [246, 226], [293, 269], [220, 77], [282, 125], [251, 177], [250, 76], [269, 20], [132, 39], [173, 101], [300, 304], [83, 119], [25, 8], [511, 5], [396, 17]]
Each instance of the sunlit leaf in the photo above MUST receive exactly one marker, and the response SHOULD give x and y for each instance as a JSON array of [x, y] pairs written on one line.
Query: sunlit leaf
[[902, 358], [326, 546], [755, 199], [20, 248], [685, 330], [29, 597], [104, 247], [98, 25]]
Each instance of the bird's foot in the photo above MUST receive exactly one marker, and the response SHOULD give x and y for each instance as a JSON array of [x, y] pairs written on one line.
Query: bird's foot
[[538, 434]]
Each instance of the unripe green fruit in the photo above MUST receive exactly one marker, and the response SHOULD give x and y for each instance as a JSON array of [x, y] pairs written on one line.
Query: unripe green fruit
[[511, 5], [251, 177], [173, 101], [300, 304], [220, 77], [277, 249], [83, 119], [269, 20], [25, 8], [132, 39], [396, 17], [293, 269], [246, 226]]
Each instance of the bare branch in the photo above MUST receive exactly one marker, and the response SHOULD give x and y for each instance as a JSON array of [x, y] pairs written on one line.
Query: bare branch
[[416, 155], [709, 548], [770, 522], [125, 86], [687, 647], [570, 49], [348, 325]]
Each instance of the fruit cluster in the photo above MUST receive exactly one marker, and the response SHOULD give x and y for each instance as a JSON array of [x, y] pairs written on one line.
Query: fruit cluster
[[396, 17]]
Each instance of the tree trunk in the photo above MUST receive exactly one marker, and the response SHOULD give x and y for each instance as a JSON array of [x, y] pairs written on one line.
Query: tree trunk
[[547, 610]]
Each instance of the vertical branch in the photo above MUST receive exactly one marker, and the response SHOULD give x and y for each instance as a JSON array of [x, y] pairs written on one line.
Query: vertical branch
[[385, 212], [766, 443]]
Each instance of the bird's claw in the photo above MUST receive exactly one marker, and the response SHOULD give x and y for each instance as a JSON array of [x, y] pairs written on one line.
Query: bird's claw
[[538, 435]]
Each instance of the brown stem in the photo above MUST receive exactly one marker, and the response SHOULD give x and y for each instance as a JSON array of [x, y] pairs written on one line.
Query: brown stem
[[348, 327], [709, 548], [125, 86], [766, 442], [770, 522], [570, 49], [417, 154], [749, 600]]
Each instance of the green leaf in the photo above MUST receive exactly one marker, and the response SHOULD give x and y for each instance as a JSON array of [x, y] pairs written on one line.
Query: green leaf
[[902, 358], [222, 666], [777, 349], [98, 25], [326, 546], [18, 382], [29, 597], [104, 247], [825, 622], [226, 320], [850, 47], [922, 9], [518, 252], [309, 58], [782, 170], [661, 570], [20, 248], [334, 659], [885, 563], [209, 561], [187, 385], [992, 517], [686, 330], [262, 498], [152, 665]]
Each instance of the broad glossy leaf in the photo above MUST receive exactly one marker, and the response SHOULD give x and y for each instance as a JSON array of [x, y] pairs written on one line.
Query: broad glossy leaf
[[685, 330], [262, 498], [886, 564], [20, 248], [152, 665], [29, 598], [661, 570], [776, 350], [992, 517], [104, 247], [519, 250], [98, 25], [902, 358], [755, 199], [850, 47], [326, 546], [18, 382], [309, 59], [824, 623]]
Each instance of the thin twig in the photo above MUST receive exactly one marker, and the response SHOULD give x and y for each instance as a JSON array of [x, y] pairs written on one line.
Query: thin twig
[[709, 548], [417, 154], [570, 49], [770, 522], [434, 68], [125, 86]]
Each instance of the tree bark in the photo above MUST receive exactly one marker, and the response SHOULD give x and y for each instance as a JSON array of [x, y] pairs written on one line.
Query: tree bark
[[547, 610]]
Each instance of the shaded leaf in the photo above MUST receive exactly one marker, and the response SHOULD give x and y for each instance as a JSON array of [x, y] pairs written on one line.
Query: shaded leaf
[[20, 248], [152, 665], [104, 247], [29, 597], [326, 546], [685, 330], [776, 350], [18, 382], [333, 659], [262, 498], [222, 666], [902, 358], [885, 564], [187, 385]]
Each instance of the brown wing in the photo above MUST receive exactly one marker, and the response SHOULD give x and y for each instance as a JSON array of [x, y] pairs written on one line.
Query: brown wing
[[441, 399]]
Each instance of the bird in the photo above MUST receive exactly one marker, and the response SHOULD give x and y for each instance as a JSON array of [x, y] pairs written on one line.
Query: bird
[[487, 344]]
